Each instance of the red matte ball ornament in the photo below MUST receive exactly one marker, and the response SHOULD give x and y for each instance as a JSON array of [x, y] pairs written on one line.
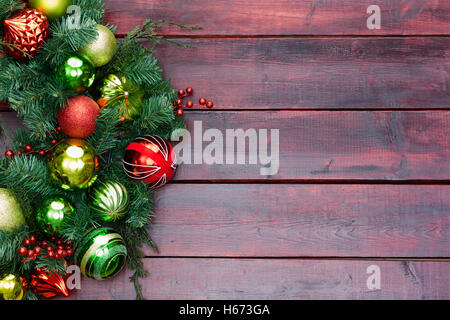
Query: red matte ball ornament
[[150, 159], [77, 119]]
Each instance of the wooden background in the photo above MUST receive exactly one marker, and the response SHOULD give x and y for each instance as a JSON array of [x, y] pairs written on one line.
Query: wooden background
[[364, 152]]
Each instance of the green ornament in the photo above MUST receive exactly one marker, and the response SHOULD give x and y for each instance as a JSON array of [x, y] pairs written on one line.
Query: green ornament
[[73, 164], [11, 214], [109, 200], [51, 213], [119, 92], [11, 288], [53, 9], [101, 50], [77, 73], [101, 253]]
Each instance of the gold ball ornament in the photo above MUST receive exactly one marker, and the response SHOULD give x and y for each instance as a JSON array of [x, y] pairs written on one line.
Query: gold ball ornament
[[53, 9], [73, 164], [102, 50], [11, 288], [11, 214]]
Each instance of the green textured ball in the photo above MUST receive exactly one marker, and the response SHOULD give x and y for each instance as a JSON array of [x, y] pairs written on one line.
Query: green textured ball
[[11, 214], [73, 164], [101, 50], [101, 253], [53, 9], [77, 73], [109, 200], [51, 213], [117, 91]]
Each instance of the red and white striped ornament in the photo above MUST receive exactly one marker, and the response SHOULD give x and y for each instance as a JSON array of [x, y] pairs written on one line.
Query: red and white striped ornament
[[150, 159]]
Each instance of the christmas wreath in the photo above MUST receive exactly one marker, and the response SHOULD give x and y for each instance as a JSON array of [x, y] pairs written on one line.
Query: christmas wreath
[[76, 185]]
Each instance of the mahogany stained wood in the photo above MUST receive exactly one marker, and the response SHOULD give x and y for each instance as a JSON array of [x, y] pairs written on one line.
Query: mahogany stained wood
[[255, 220], [319, 73], [284, 17], [259, 279], [357, 146]]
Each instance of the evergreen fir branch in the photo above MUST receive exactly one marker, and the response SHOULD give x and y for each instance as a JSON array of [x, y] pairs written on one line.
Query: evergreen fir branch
[[91, 9], [28, 177], [50, 264], [104, 137], [9, 249], [8, 7], [78, 223], [144, 72]]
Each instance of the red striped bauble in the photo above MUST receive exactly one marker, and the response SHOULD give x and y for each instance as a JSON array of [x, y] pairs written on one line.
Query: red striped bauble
[[150, 159]]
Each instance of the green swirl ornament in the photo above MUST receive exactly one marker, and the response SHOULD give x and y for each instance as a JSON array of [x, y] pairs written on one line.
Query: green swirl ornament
[[101, 253], [109, 200], [120, 92]]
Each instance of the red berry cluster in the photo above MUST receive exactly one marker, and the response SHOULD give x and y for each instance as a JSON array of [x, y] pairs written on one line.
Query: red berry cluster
[[28, 149], [55, 248], [178, 105]]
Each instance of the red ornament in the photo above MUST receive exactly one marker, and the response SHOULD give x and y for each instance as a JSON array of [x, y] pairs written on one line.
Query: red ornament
[[77, 119], [26, 30], [150, 159], [9, 153], [48, 285]]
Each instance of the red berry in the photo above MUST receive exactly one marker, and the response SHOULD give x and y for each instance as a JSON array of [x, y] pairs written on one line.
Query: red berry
[[49, 248], [50, 254], [58, 129], [19, 153], [189, 104], [41, 153], [69, 252], [210, 104], [180, 112], [23, 251], [33, 239], [57, 256], [44, 243], [181, 92], [189, 90], [28, 148], [27, 242], [202, 101], [30, 253], [59, 242], [9, 153], [37, 250], [53, 142]]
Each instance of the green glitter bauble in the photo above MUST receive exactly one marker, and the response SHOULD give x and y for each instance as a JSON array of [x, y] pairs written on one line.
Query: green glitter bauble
[[73, 164], [101, 253], [51, 213], [109, 200], [120, 92], [101, 50], [77, 73], [11, 214]]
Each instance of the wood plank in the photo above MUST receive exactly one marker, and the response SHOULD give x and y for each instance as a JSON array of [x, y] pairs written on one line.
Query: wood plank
[[248, 220], [284, 17], [325, 73], [258, 279], [327, 146]]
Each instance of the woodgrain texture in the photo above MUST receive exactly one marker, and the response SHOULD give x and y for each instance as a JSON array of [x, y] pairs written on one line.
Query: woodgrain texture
[[317, 73], [254, 220], [357, 146], [323, 73], [284, 17], [260, 279]]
